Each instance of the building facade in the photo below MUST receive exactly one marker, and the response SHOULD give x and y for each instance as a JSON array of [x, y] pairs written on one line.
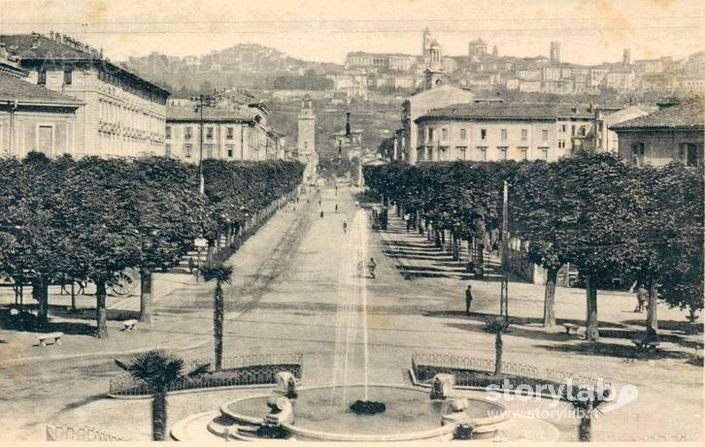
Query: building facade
[[306, 141], [123, 114], [33, 118], [488, 132], [228, 134], [673, 133]]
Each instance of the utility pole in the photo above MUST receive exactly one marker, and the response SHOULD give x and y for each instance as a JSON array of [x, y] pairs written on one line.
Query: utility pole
[[504, 249], [202, 101]]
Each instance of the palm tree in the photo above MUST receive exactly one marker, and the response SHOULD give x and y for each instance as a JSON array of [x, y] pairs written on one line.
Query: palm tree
[[159, 370], [586, 405], [497, 326], [221, 274]]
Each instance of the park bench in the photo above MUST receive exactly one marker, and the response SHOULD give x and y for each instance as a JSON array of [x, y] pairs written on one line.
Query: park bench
[[571, 328], [54, 337], [128, 325], [644, 343]]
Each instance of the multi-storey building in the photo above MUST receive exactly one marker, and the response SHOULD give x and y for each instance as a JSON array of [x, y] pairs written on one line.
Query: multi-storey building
[[123, 114], [673, 133], [496, 131], [228, 134], [33, 118]]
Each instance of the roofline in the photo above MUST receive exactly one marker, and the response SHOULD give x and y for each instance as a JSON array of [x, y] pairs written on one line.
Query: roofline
[[618, 128], [67, 103], [485, 118], [210, 120], [112, 66]]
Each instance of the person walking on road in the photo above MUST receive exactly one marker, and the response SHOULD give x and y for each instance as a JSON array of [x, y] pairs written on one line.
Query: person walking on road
[[468, 299], [371, 266], [336, 207], [345, 227], [642, 296]]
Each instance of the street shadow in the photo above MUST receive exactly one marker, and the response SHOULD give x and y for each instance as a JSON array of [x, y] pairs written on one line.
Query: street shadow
[[88, 313], [614, 350], [80, 403]]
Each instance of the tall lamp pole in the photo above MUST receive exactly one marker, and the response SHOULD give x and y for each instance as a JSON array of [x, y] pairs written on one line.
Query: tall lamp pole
[[200, 102], [504, 249]]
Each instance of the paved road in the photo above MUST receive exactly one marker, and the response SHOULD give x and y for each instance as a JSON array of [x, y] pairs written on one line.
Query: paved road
[[294, 290]]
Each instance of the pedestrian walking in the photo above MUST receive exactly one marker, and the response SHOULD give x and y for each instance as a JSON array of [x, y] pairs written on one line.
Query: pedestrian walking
[[191, 265], [345, 227], [642, 295], [371, 266], [468, 299], [336, 207], [321, 214]]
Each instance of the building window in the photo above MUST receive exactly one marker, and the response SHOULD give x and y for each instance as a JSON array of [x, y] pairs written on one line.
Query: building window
[[561, 144], [524, 134], [68, 76], [524, 151], [689, 155], [483, 134], [209, 150], [444, 134], [188, 150], [430, 134], [188, 133], [168, 132], [209, 133], [229, 133], [42, 77], [544, 153], [461, 152], [482, 153], [502, 152], [463, 134], [503, 134], [583, 131], [638, 152], [231, 150], [563, 128], [544, 134], [167, 150]]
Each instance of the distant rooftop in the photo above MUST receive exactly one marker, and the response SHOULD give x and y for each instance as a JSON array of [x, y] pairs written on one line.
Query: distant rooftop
[[506, 111], [210, 115], [689, 114]]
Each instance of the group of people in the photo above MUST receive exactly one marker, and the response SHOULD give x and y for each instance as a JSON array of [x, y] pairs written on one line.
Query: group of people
[[371, 266]]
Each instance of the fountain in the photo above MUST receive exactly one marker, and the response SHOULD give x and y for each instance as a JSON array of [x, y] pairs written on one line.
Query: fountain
[[352, 409]]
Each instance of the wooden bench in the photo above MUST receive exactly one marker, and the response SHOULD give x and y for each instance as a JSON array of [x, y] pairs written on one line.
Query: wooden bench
[[128, 325], [54, 337], [571, 328], [644, 344]]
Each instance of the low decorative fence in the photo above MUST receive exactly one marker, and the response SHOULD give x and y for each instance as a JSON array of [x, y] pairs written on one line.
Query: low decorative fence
[[70, 433], [479, 372], [238, 370]]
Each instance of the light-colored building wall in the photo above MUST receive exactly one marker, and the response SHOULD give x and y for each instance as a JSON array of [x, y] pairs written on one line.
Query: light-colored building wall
[[490, 140], [52, 133], [660, 147]]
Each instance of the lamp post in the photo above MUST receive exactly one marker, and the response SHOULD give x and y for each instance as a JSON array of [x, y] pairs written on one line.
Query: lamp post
[[200, 102]]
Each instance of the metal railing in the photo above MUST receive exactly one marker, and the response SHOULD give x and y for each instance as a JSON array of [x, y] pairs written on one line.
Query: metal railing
[[238, 370], [70, 433], [427, 365]]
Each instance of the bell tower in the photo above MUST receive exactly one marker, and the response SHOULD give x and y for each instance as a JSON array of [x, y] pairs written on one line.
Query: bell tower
[[306, 142]]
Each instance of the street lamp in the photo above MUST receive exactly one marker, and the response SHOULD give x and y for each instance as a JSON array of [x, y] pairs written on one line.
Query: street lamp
[[200, 102]]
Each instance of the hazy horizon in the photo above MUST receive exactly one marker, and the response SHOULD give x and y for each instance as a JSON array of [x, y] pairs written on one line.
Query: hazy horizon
[[590, 32]]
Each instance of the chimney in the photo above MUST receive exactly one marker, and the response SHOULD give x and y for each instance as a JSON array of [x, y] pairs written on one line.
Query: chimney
[[348, 129]]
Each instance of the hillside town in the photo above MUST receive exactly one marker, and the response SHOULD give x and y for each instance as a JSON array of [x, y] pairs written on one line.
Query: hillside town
[[428, 233]]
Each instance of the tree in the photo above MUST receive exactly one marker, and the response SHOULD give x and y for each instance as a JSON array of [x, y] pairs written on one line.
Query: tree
[[222, 274], [586, 403], [102, 219], [170, 217], [497, 326], [159, 371]]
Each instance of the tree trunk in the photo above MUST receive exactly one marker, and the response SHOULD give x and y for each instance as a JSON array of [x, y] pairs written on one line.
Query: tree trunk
[[549, 302], [40, 291], [101, 317], [146, 295], [159, 416], [218, 315], [585, 427], [498, 352], [652, 308], [592, 332]]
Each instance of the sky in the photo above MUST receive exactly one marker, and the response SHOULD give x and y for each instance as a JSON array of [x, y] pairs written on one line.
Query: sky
[[590, 31]]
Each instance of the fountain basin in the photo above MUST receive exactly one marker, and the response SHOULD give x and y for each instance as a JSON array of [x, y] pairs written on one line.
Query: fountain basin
[[322, 414]]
